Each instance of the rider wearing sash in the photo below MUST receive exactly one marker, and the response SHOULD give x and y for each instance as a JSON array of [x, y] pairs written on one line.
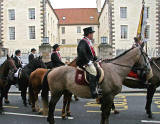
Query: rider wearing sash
[[56, 57], [87, 57]]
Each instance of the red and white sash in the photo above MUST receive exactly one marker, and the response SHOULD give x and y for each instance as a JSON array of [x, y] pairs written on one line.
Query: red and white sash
[[90, 46]]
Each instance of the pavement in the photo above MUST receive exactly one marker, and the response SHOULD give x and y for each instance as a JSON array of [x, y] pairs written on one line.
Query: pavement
[[130, 105], [124, 90]]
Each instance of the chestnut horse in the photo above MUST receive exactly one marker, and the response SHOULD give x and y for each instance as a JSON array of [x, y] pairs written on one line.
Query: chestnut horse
[[35, 86], [63, 78]]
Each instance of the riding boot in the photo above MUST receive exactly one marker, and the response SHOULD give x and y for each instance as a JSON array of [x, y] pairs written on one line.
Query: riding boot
[[92, 85]]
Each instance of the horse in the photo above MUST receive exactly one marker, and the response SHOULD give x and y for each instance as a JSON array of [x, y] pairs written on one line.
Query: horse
[[23, 79], [63, 78], [4, 70], [35, 86], [151, 89]]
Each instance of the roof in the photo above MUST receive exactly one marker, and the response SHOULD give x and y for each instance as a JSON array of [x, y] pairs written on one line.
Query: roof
[[76, 16]]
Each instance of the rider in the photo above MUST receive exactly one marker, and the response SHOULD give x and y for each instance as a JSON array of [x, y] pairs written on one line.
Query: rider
[[56, 57], [32, 55], [87, 57]]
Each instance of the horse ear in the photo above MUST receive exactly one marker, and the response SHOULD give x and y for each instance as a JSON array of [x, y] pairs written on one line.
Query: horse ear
[[12, 56], [7, 56]]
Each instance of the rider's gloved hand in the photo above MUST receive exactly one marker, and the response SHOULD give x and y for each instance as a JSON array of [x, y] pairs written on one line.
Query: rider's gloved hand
[[90, 63]]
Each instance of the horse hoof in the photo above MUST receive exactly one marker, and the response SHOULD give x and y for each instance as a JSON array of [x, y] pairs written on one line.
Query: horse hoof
[[51, 121], [6, 101], [68, 114], [33, 110], [116, 112], [150, 116], [64, 116]]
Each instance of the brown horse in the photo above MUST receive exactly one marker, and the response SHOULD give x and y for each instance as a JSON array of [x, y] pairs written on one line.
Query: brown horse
[[4, 70], [63, 78], [151, 89], [35, 86]]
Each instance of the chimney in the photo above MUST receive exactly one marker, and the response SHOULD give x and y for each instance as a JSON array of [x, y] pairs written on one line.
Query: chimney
[[99, 5]]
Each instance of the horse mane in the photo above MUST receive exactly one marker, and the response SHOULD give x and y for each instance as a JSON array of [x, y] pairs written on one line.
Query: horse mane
[[122, 54]]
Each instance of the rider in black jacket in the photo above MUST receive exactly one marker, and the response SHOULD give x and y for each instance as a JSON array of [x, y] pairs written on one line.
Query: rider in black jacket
[[56, 57], [87, 57], [32, 55]]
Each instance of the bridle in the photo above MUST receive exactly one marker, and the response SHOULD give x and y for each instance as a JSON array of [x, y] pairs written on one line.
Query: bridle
[[127, 66]]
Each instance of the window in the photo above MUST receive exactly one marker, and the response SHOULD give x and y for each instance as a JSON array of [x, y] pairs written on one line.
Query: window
[[63, 41], [123, 12], [31, 13], [78, 40], [11, 14], [147, 9], [63, 30], [12, 33], [78, 29], [124, 31], [147, 32], [104, 40], [32, 34]]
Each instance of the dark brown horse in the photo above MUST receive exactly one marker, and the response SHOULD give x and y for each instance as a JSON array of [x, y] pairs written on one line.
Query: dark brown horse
[[23, 79], [151, 89], [35, 86], [4, 70]]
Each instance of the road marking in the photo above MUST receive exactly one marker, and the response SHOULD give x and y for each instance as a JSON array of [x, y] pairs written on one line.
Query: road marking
[[30, 115], [156, 112], [14, 107], [146, 121]]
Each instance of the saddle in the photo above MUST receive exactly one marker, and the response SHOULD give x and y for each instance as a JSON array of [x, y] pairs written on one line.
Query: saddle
[[82, 75]]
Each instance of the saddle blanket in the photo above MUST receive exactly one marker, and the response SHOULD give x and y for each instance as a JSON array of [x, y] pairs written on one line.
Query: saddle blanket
[[81, 77]]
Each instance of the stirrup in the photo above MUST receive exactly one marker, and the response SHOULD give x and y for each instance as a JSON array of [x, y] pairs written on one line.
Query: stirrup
[[99, 91]]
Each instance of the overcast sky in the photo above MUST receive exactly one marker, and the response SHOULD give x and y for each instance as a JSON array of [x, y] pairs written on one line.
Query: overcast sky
[[74, 3]]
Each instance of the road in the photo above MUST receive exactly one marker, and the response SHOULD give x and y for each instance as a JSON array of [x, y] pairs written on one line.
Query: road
[[130, 105]]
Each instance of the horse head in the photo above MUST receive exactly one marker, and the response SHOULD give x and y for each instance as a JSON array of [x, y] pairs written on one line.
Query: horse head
[[11, 64], [143, 62], [38, 62]]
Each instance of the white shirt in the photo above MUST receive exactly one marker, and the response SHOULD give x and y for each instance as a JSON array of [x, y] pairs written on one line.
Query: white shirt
[[89, 41]]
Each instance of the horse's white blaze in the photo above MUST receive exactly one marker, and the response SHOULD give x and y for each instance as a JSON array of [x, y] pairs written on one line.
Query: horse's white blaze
[[146, 121], [30, 115]]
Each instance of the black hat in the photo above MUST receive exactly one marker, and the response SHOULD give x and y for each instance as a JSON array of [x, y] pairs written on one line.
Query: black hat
[[33, 49], [88, 31], [17, 52], [55, 47]]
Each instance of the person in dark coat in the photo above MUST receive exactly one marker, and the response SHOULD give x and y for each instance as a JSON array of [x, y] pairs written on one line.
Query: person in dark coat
[[17, 59], [56, 57], [87, 57], [32, 55]]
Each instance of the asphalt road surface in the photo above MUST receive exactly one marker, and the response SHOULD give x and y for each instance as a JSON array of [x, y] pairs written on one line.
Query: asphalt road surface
[[131, 107]]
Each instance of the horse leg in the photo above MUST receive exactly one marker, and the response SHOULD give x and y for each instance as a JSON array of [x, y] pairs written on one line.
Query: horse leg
[[107, 103], [150, 93], [23, 95], [76, 98], [68, 104], [36, 101], [1, 101], [6, 94], [65, 99], [54, 99], [114, 109]]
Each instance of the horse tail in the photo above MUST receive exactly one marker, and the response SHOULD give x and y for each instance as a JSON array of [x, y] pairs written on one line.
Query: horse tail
[[45, 92], [31, 92]]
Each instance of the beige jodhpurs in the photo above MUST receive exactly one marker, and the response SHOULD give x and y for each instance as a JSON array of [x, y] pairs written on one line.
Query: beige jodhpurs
[[91, 69]]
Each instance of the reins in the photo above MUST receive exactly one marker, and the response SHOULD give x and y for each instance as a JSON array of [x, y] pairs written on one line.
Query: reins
[[156, 65]]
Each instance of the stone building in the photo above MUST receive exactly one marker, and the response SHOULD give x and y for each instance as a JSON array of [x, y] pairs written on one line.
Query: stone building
[[28, 24]]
